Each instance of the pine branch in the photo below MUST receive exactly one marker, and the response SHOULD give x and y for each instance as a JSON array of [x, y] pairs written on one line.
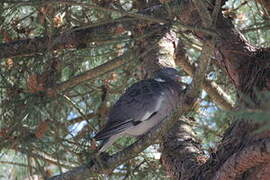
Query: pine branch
[[93, 73]]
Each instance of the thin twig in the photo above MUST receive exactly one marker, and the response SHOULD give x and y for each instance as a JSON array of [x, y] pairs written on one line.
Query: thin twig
[[70, 101]]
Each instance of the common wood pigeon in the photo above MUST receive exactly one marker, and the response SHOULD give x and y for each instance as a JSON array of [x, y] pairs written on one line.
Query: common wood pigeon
[[141, 107]]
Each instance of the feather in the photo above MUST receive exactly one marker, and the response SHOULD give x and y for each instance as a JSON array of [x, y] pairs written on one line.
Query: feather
[[112, 129]]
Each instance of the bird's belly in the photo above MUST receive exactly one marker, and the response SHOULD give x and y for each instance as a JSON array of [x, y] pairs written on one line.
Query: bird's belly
[[165, 108], [146, 125]]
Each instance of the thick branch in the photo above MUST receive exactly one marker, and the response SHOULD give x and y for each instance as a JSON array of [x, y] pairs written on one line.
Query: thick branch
[[181, 153], [251, 156], [261, 172], [162, 53], [232, 50]]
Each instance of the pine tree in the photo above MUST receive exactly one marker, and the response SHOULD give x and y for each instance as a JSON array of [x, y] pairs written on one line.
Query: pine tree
[[63, 64]]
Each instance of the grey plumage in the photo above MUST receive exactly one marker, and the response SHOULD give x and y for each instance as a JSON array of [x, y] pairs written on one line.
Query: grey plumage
[[141, 107]]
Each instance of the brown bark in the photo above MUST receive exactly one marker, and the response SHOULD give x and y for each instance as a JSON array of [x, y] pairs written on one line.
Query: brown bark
[[181, 150], [250, 156]]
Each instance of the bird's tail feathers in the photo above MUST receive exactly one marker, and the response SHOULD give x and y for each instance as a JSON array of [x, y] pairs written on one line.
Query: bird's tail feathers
[[106, 143]]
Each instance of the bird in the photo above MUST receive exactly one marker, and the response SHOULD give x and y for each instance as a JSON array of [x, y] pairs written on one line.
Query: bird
[[143, 105]]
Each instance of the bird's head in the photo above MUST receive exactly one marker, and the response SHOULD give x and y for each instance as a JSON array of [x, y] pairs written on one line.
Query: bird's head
[[167, 74]]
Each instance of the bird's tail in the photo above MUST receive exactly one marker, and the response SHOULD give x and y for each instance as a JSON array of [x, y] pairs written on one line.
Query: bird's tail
[[106, 143]]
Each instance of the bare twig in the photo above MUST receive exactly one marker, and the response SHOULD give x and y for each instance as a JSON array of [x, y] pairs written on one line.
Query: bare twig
[[75, 106], [79, 119], [45, 158]]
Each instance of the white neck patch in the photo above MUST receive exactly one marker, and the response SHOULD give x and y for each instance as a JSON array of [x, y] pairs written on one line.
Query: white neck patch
[[159, 80]]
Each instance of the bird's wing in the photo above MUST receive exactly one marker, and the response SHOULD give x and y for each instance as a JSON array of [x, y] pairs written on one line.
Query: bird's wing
[[113, 129], [140, 102]]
